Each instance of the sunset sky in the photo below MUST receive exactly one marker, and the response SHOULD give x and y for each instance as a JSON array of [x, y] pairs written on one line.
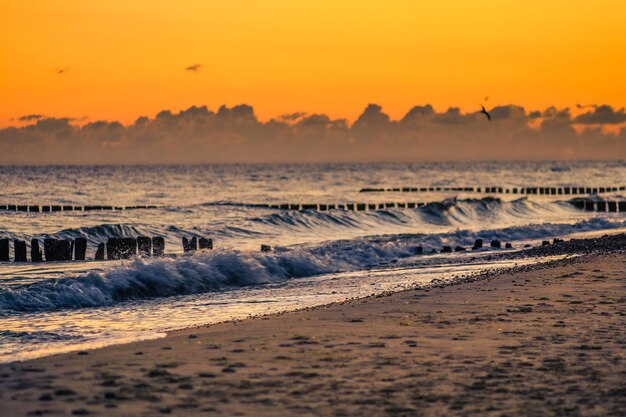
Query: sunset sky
[[117, 60]]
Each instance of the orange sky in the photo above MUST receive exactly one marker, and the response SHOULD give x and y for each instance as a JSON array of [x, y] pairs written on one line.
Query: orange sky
[[127, 58]]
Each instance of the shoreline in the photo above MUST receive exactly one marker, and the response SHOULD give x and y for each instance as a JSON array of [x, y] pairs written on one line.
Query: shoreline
[[566, 251], [544, 341]]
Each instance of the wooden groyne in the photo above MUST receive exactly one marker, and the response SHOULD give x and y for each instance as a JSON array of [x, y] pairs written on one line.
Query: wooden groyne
[[501, 190], [115, 248], [601, 206], [586, 204], [55, 208]]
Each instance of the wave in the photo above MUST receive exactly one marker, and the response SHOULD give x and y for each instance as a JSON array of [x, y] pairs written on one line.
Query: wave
[[432, 217], [226, 269]]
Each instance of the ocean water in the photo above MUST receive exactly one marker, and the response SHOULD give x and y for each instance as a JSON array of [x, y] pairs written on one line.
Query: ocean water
[[319, 256]]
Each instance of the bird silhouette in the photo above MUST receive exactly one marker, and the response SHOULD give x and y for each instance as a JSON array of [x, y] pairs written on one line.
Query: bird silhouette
[[485, 112], [61, 71], [194, 68]]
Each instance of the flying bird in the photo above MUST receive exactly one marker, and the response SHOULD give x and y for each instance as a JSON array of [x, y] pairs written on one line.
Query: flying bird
[[194, 68], [61, 71], [485, 112]]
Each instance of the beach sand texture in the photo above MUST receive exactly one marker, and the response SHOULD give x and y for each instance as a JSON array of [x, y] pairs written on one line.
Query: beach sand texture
[[547, 342]]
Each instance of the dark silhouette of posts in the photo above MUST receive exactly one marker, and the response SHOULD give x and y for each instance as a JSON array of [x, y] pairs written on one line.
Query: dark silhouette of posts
[[100, 252], [4, 250], [62, 250], [80, 248], [48, 249], [19, 246], [128, 247], [190, 245], [158, 246], [35, 251], [266, 248], [205, 243], [144, 246], [113, 248]]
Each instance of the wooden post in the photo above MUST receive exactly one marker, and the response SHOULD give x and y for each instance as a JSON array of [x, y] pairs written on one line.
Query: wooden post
[[128, 247], [190, 245], [158, 246], [48, 249], [35, 251], [80, 248], [100, 252], [206, 243], [4, 250], [62, 250], [19, 247], [266, 248], [113, 248], [144, 246]]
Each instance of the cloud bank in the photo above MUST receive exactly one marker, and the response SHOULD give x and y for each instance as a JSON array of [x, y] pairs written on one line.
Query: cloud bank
[[234, 134]]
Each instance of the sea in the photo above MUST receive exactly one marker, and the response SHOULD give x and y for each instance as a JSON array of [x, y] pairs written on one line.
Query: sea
[[317, 257]]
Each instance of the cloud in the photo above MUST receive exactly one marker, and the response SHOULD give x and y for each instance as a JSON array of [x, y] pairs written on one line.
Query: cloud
[[508, 112], [452, 116], [233, 134], [602, 115], [30, 117], [418, 113]]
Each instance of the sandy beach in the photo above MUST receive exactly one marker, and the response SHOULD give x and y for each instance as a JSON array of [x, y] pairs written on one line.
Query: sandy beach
[[547, 342]]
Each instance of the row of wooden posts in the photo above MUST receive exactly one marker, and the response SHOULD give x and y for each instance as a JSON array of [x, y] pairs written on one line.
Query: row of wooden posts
[[600, 206], [127, 248], [580, 203], [53, 208], [114, 249], [503, 190]]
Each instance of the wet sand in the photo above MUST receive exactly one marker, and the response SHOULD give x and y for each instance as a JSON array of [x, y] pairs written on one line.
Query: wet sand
[[548, 342]]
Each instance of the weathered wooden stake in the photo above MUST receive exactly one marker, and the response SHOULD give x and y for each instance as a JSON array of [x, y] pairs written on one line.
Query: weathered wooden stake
[[35, 251], [158, 246], [48, 249], [205, 243], [144, 246], [80, 248], [100, 252], [19, 247], [4, 250]]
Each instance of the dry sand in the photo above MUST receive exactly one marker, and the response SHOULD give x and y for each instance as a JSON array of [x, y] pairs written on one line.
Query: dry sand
[[542, 343]]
